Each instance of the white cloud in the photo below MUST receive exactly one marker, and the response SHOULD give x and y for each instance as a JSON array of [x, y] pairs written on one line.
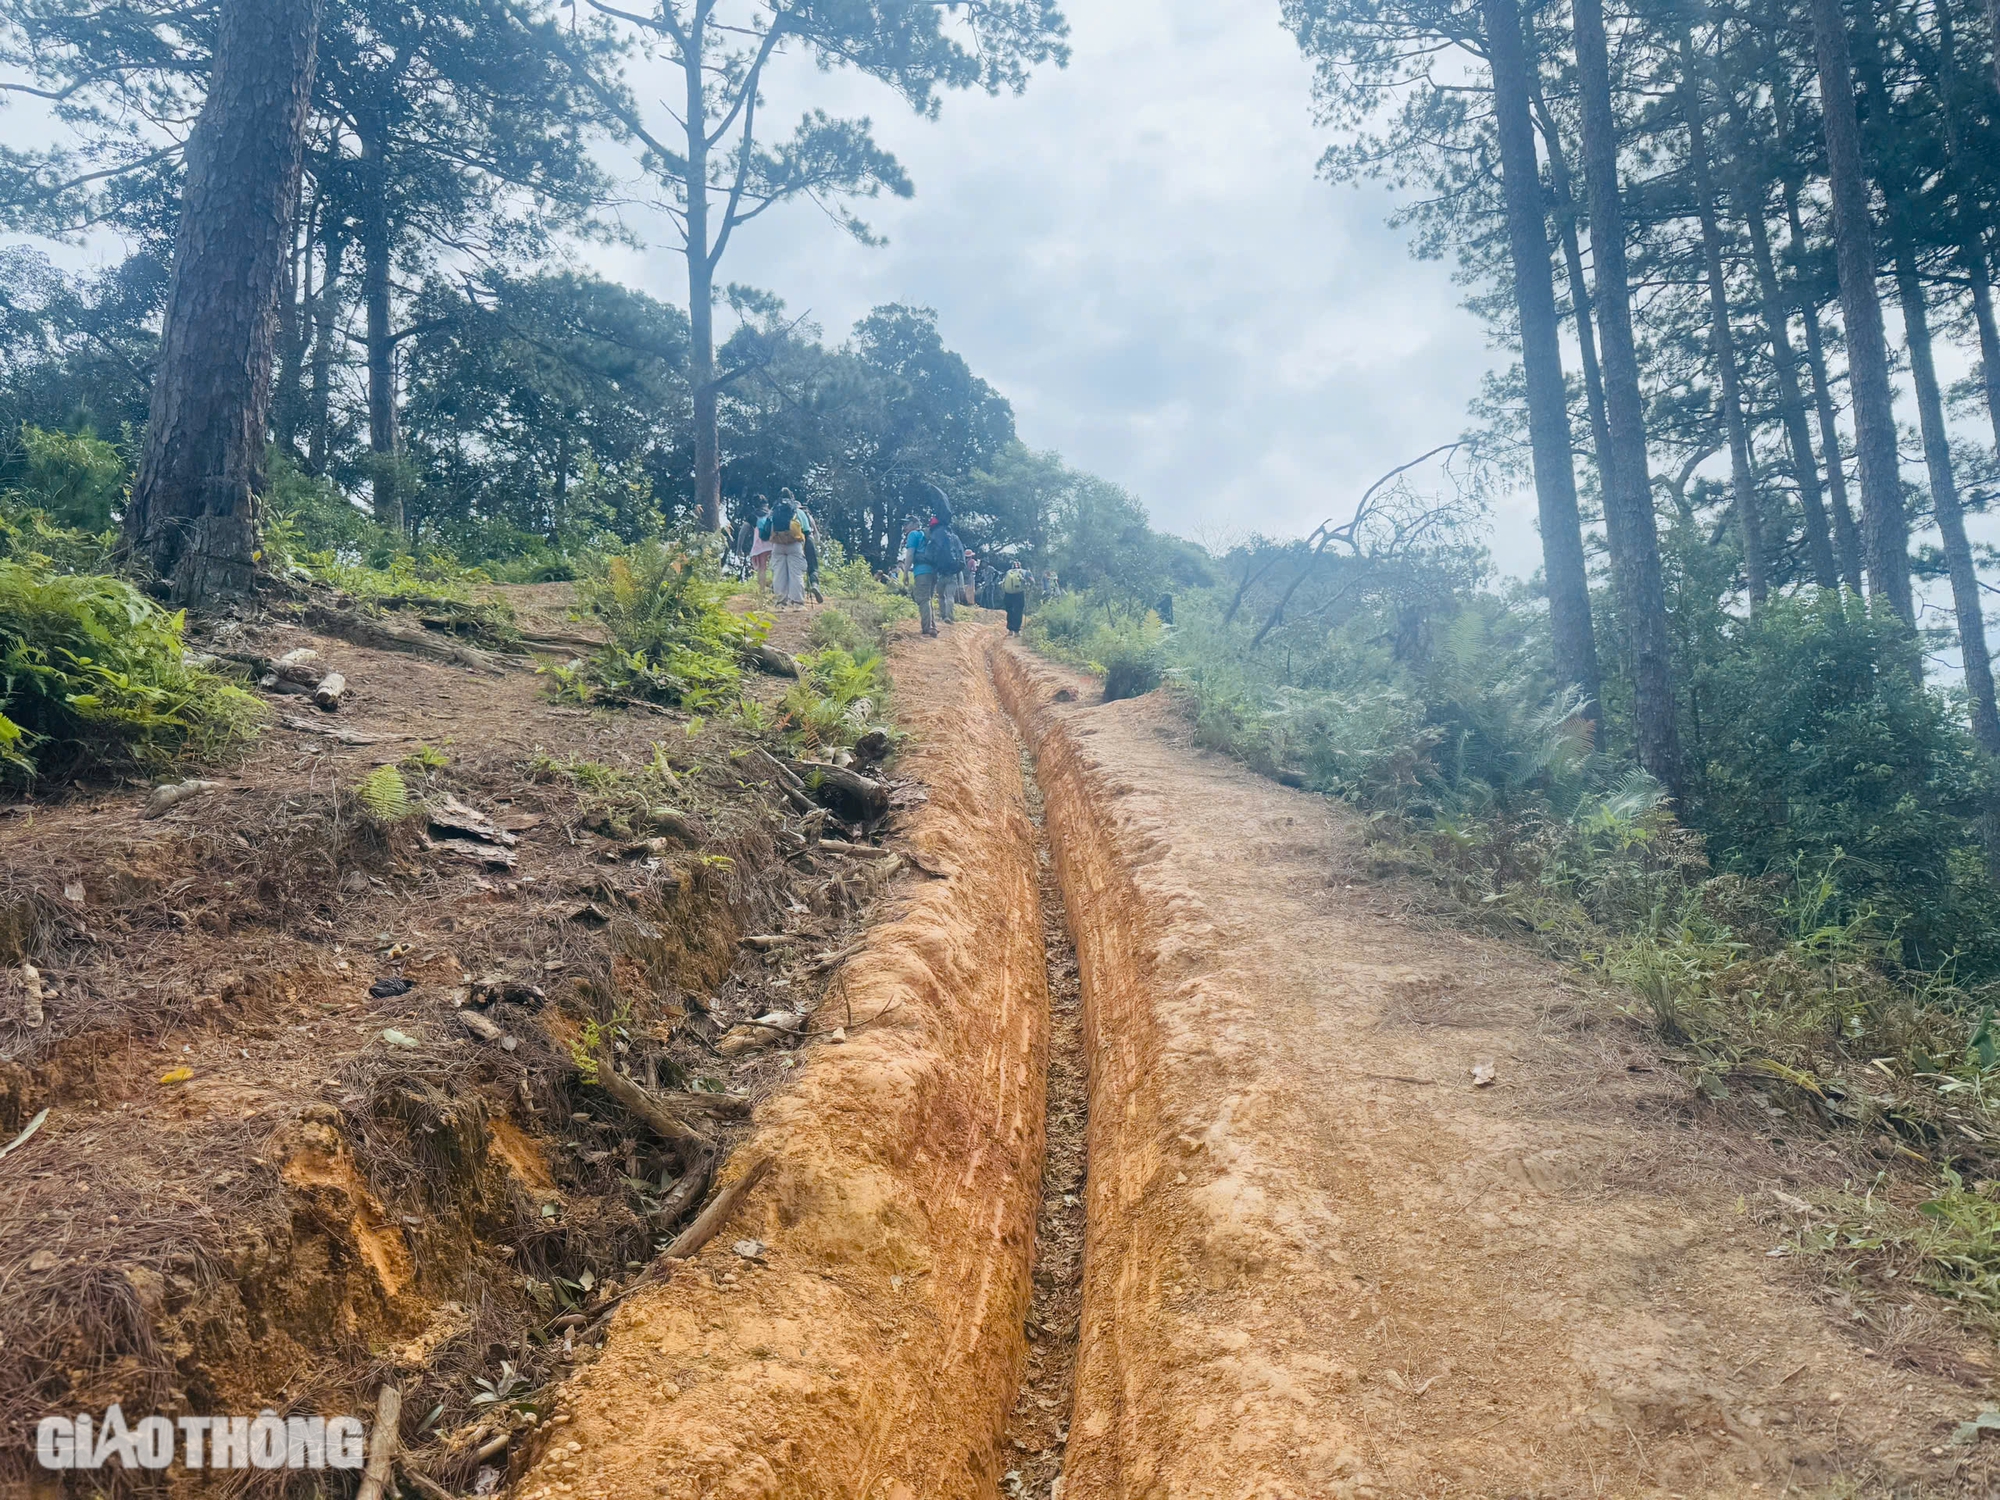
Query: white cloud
[[1138, 254]]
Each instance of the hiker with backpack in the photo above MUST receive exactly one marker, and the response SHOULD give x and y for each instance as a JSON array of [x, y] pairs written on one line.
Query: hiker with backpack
[[760, 543], [812, 556], [932, 550], [1014, 597], [785, 528]]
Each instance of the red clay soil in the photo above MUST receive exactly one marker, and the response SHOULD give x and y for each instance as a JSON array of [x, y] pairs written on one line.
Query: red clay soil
[[870, 1344], [1320, 1262], [260, 1184]]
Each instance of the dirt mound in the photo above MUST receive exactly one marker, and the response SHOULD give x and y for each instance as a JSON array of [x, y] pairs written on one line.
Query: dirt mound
[[869, 1342], [1321, 1261]]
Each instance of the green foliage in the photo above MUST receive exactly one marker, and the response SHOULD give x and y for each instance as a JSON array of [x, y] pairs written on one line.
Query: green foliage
[[674, 638], [94, 677], [1816, 743], [1125, 645], [384, 795], [839, 697], [77, 480]]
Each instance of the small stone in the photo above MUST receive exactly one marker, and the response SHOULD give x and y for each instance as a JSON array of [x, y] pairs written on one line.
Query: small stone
[[749, 1249]]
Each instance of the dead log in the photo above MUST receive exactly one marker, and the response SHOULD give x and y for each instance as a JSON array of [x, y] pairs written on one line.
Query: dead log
[[856, 851], [635, 1100], [711, 1219], [332, 688], [381, 1444], [366, 630], [704, 1106], [685, 1193], [770, 659], [857, 798], [793, 789], [292, 668]]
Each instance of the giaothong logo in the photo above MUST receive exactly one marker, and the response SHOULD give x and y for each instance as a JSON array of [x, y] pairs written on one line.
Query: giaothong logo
[[265, 1441]]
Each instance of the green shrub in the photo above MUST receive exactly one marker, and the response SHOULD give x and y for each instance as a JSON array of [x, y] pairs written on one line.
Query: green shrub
[[1814, 742], [839, 697], [94, 677], [674, 638], [1125, 647], [76, 480]]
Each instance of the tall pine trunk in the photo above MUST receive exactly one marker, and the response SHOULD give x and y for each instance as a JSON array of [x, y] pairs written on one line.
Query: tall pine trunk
[[1885, 531], [1541, 358], [701, 295], [193, 514], [1989, 336], [1971, 246], [294, 316], [1752, 194], [1579, 289], [1944, 500], [1628, 500], [378, 248], [1791, 403], [1721, 337], [326, 316]]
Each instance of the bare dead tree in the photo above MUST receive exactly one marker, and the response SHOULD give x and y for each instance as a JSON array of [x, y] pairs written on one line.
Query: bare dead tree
[[1404, 533]]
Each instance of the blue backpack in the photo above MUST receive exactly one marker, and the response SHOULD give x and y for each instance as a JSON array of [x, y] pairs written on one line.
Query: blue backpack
[[944, 552]]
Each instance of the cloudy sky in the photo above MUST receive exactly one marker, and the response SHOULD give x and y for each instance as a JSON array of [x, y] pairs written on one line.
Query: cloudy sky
[[1138, 254]]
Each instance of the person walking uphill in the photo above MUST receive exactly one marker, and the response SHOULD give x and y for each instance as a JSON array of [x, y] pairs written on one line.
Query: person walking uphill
[[786, 527], [1014, 597], [933, 558], [760, 543]]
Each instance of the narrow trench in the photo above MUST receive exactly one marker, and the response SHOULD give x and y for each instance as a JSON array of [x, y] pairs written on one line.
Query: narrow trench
[[1038, 1428]]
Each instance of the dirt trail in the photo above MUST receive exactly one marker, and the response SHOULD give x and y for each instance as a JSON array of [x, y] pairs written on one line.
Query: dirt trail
[[873, 1348], [1321, 1263]]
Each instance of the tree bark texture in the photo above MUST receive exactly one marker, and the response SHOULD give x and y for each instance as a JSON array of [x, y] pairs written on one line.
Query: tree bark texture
[[1541, 357], [1628, 501], [193, 513], [1884, 529]]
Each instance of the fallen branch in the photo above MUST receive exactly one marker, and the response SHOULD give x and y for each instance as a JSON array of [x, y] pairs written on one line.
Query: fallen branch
[[492, 1447], [381, 1444], [662, 1121], [834, 960], [365, 630], [856, 851], [424, 1485], [711, 1219], [857, 798]]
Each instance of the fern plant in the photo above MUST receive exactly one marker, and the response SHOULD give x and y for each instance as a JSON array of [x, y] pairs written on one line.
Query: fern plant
[[384, 795]]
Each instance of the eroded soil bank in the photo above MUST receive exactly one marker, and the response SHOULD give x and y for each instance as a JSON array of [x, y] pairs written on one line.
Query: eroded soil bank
[[873, 1347], [1320, 1262]]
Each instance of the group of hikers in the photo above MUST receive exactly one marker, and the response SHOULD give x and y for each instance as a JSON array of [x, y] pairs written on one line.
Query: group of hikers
[[777, 543]]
